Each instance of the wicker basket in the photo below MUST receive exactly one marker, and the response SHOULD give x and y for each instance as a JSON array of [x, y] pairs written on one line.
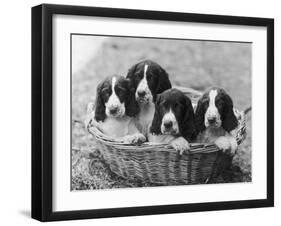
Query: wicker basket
[[161, 164]]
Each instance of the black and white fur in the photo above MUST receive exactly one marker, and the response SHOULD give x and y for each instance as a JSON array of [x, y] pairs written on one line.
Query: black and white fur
[[173, 121], [114, 110], [216, 121], [148, 79]]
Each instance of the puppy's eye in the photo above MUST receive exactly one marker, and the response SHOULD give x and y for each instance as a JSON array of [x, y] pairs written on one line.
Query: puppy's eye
[[148, 76], [219, 103], [137, 75], [105, 92], [120, 89], [205, 103], [137, 78], [164, 104], [121, 92]]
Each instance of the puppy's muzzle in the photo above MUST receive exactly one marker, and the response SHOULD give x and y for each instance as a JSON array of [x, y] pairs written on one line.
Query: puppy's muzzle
[[114, 111], [212, 120], [169, 128], [168, 125], [141, 94]]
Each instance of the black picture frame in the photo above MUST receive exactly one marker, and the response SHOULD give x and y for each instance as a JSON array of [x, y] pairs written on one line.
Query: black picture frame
[[42, 107]]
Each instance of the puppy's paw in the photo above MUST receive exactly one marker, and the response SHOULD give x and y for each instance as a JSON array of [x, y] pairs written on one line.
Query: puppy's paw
[[223, 144], [180, 144], [137, 138]]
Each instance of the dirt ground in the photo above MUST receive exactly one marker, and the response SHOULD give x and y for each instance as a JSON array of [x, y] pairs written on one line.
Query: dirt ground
[[195, 64]]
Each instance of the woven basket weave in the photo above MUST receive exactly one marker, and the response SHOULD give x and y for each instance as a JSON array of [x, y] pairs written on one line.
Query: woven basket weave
[[160, 163]]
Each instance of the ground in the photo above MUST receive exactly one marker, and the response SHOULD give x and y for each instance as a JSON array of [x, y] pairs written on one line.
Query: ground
[[195, 64]]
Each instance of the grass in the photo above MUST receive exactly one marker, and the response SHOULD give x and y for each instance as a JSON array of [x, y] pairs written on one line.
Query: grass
[[195, 64]]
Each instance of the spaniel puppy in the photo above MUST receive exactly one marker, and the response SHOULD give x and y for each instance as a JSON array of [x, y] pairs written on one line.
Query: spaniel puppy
[[173, 121], [148, 79], [215, 120], [114, 110]]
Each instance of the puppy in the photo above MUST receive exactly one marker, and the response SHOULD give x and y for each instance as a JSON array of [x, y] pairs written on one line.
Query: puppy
[[115, 108], [216, 121], [148, 79], [173, 121]]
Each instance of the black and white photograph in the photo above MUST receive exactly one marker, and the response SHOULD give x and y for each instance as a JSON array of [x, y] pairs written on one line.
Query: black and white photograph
[[141, 112], [149, 112]]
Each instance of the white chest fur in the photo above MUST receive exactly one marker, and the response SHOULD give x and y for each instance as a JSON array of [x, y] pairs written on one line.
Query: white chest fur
[[145, 117], [116, 127], [210, 135], [160, 139]]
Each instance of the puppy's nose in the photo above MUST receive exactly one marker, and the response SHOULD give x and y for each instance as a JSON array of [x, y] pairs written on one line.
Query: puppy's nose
[[113, 110], [212, 120], [168, 124], [141, 93]]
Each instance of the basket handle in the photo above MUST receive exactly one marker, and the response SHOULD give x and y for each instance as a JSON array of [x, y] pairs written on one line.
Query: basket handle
[[247, 110]]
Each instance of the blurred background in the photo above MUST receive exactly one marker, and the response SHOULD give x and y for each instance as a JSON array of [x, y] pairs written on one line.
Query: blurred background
[[190, 63]]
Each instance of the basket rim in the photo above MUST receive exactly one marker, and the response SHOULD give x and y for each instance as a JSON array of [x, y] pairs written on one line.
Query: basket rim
[[195, 147]]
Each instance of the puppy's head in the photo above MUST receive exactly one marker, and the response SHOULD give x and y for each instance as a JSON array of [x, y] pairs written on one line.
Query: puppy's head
[[114, 99], [174, 115], [215, 109], [148, 79]]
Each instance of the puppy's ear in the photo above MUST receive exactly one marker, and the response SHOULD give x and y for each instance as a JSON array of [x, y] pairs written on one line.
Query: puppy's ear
[[131, 72], [131, 105], [157, 120], [200, 115], [188, 128], [99, 105], [229, 120], [163, 82]]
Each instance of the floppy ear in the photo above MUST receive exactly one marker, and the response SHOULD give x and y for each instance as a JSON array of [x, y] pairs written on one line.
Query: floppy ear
[[131, 105], [163, 82], [131, 72], [200, 116], [229, 120], [156, 122], [187, 127], [99, 105]]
